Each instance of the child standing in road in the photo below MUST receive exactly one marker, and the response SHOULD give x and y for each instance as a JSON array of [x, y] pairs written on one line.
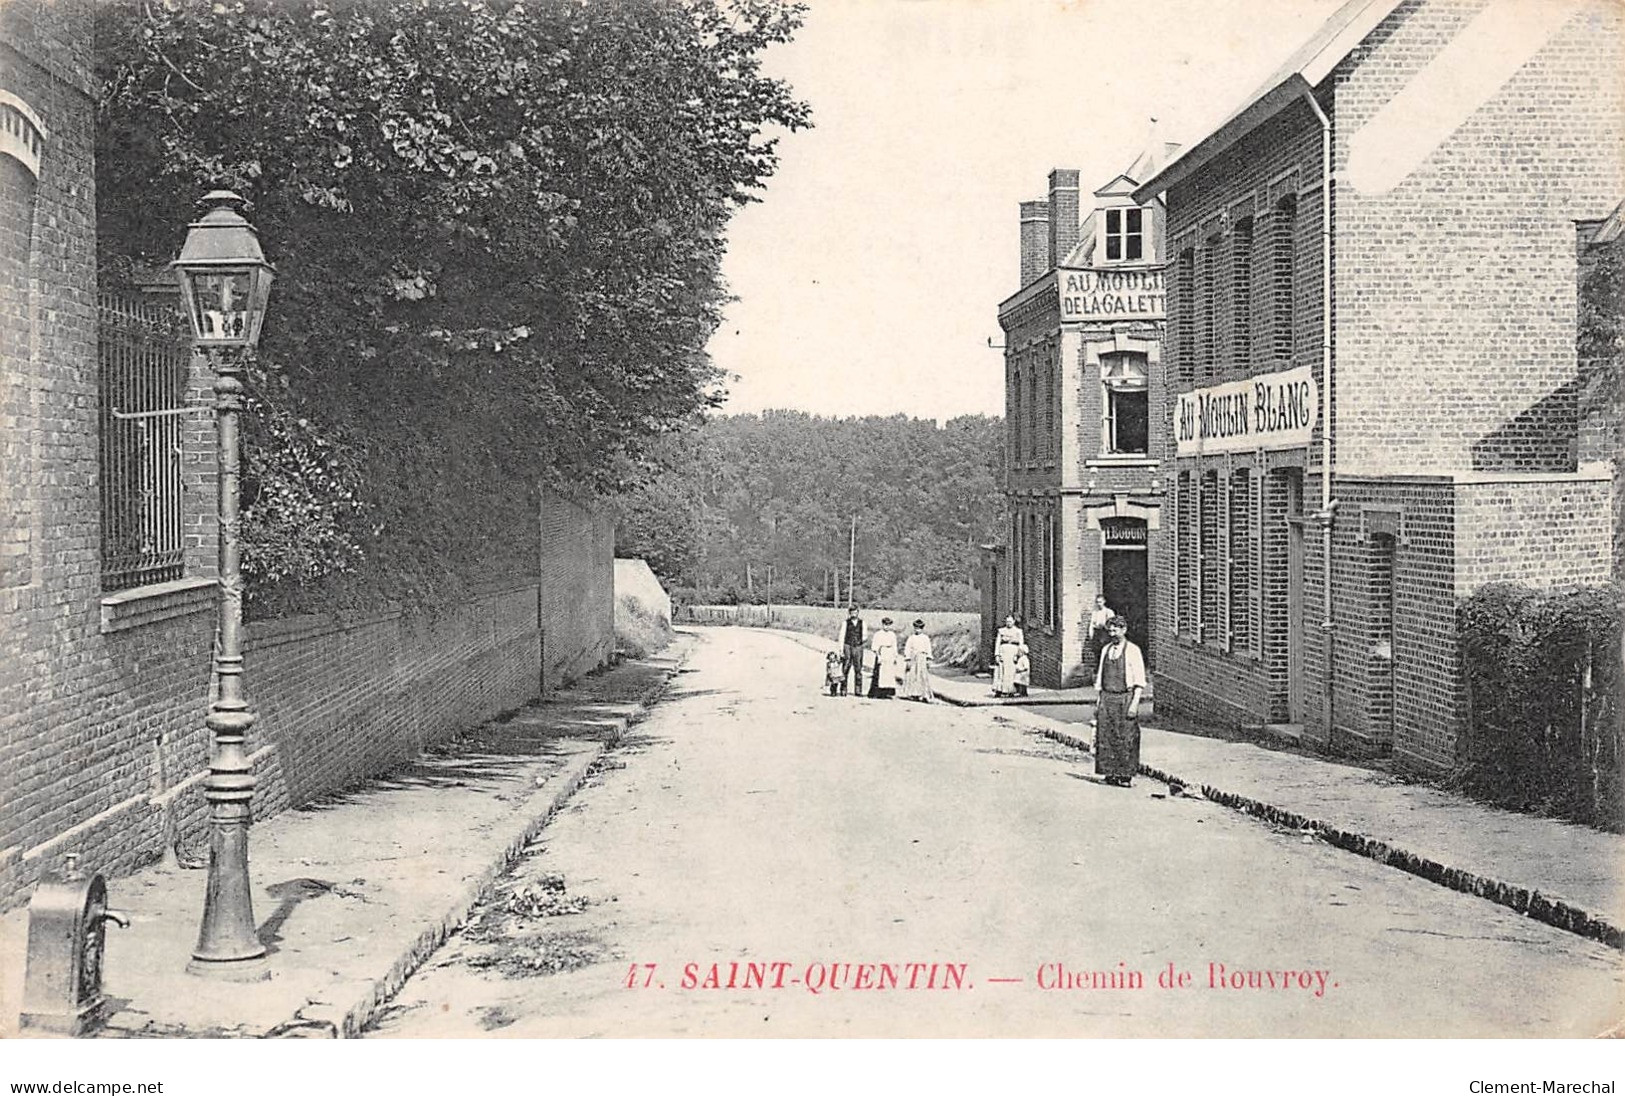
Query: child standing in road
[[834, 675], [1024, 671]]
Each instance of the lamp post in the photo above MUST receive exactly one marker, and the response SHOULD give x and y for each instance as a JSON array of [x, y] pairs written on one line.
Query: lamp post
[[225, 282]]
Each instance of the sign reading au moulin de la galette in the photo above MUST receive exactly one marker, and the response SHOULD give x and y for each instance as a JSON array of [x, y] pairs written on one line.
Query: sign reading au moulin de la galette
[[1111, 294], [1272, 411]]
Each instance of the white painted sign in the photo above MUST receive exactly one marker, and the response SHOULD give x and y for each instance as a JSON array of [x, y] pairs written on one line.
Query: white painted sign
[[1273, 411], [1136, 294]]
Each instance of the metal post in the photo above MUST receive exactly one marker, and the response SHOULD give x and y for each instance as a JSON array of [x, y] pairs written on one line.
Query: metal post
[[852, 559], [228, 945]]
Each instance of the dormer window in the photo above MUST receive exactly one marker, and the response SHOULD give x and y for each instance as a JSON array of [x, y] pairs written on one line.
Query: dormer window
[[1125, 235]]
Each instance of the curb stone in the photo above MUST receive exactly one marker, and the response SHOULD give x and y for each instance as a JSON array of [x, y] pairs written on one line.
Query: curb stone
[[348, 1023], [1529, 902]]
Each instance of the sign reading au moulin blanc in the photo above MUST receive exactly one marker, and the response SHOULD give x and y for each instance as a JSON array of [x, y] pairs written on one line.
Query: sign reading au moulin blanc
[[1111, 294], [1272, 411]]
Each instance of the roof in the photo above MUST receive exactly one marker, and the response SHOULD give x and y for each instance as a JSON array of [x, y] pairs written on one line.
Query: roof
[[1305, 68], [1613, 226]]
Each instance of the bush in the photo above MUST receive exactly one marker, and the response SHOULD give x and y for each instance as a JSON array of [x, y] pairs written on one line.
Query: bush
[[958, 645], [951, 597], [638, 632], [1543, 677]]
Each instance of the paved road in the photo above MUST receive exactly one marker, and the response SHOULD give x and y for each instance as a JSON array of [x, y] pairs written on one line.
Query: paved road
[[897, 869]]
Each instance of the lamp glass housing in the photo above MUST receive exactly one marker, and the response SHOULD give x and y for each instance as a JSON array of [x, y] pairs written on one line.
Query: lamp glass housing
[[226, 304]]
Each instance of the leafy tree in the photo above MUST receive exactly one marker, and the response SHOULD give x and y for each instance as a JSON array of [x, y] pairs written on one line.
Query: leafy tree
[[497, 227], [780, 490]]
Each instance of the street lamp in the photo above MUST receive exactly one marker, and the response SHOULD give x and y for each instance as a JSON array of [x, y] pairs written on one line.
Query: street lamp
[[225, 282]]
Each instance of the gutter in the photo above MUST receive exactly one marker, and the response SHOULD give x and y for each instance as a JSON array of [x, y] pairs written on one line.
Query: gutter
[[1328, 505]]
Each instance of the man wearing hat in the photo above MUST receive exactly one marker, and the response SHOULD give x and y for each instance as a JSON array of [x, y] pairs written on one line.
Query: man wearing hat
[[852, 650], [1119, 683]]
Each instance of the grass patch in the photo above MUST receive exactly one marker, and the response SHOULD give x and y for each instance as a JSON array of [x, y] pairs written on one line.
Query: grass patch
[[955, 637]]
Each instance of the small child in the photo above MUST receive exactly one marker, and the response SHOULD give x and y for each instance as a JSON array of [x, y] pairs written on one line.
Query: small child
[[1024, 671], [834, 679]]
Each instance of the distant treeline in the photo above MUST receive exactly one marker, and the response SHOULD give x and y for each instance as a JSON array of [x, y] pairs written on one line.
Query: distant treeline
[[760, 508]]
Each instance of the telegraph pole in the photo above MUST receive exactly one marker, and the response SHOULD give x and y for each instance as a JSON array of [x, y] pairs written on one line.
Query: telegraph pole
[[852, 559]]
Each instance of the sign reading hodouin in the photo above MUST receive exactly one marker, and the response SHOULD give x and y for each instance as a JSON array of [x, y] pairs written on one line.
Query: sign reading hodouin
[[1272, 411]]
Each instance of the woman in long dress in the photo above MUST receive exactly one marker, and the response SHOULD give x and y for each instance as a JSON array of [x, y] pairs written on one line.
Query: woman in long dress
[[1006, 649], [917, 663], [888, 664]]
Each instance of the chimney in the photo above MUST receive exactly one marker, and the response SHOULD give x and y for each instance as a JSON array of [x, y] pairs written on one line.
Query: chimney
[[1063, 214], [1035, 261]]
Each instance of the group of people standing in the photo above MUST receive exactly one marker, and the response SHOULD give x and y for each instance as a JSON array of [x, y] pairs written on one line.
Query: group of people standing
[[905, 671], [897, 670], [1120, 683]]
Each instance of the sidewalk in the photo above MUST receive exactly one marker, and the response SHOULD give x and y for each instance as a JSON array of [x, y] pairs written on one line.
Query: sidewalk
[[1037, 695], [1563, 874], [354, 891]]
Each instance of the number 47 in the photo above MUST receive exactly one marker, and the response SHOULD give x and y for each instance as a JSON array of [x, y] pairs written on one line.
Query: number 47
[[632, 975]]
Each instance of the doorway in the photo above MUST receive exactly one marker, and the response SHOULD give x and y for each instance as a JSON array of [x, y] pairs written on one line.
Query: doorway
[[1123, 576], [1381, 688], [1295, 706]]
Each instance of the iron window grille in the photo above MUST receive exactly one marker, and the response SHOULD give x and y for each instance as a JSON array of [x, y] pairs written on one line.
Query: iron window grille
[[144, 350]]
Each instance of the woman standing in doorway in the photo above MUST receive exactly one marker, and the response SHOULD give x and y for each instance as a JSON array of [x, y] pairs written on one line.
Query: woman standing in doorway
[[1006, 650]]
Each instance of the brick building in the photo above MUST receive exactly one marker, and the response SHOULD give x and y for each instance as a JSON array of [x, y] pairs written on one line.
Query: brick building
[[1372, 364], [1083, 384], [107, 547]]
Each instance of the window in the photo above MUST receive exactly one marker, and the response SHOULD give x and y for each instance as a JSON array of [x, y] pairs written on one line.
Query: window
[[1018, 570], [1125, 237], [1055, 569], [143, 350], [1209, 361], [1241, 292], [1013, 427], [1242, 587], [1047, 569], [1032, 414], [1035, 572], [1210, 558], [1185, 313], [1049, 413], [1284, 263], [1186, 573], [1127, 414]]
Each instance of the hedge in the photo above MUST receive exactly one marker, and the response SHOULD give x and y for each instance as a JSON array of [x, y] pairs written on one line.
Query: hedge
[[1543, 674]]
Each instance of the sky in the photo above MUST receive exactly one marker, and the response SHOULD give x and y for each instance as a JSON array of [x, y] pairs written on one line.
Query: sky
[[869, 275]]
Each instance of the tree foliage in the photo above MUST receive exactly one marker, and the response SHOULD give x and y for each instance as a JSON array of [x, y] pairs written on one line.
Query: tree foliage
[[497, 227], [746, 493]]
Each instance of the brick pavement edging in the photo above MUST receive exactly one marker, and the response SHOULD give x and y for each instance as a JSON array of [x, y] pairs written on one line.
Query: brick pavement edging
[[1524, 900], [1521, 900], [349, 1023]]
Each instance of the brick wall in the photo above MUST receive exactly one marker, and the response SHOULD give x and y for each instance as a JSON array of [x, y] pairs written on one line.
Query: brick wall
[[1456, 289], [577, 590], [1398, 540], [1540, 532], [112, 766]]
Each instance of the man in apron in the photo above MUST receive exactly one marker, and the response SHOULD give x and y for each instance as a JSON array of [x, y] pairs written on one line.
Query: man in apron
[[1120, 682]]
